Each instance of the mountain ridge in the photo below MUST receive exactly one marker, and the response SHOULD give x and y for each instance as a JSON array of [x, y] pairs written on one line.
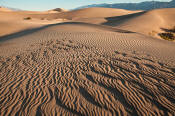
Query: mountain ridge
[[147, 5]]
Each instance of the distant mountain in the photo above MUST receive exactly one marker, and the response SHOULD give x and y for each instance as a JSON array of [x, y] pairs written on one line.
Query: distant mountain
[[148, 5]]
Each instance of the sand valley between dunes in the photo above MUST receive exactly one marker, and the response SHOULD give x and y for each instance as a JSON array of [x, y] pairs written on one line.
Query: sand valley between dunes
[[80, 68]]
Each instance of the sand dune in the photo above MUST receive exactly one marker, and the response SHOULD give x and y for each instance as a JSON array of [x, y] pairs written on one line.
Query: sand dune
[[57, 10], [2, 9], [86, 69], [94, 13], [12, 22], [146, 22]]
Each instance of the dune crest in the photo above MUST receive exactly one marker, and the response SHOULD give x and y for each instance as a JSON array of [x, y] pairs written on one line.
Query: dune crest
[[147, 22], [57, 10], [95, 13]]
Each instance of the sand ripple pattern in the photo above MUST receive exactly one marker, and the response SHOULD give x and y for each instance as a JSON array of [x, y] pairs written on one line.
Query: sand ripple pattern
[[64, 77]]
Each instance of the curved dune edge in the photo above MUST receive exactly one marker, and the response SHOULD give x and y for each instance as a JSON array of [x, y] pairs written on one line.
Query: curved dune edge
[[53, 71], [16, 21], [149, 23]]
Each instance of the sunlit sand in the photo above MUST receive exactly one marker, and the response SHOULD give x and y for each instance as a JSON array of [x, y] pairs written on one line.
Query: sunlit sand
[[94, 61]]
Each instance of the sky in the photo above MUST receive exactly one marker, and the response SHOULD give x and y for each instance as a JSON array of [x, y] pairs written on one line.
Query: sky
[[41, 5]]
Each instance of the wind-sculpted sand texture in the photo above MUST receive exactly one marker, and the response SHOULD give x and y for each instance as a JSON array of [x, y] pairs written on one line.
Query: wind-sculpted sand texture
[[107, 38], [58, 72]]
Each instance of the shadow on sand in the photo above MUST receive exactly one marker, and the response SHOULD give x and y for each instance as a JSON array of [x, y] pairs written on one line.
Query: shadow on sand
[[115, 21], [24, 33], [33, 30]]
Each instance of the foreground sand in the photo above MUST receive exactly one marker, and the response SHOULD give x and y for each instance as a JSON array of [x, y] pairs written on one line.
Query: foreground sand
[[86, 69]]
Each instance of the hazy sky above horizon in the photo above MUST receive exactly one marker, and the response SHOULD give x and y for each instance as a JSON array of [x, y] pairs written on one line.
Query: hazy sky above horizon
[[66, 4]]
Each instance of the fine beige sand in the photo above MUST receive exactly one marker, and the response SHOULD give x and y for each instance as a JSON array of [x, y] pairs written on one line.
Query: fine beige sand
[[14, 21], [2, 9], [146, 22], [80, 68]]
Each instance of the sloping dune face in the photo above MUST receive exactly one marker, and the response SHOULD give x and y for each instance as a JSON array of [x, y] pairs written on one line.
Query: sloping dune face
[[146, 22], [12, 22], [94, 13], [16, 21], [56, 70]]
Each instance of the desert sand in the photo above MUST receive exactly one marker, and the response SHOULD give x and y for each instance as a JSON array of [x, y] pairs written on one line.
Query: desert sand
[[146, 22], [15, 21], [78, 67]]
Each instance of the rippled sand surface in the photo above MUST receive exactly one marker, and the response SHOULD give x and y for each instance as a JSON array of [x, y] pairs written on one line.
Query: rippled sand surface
[[82, 69]]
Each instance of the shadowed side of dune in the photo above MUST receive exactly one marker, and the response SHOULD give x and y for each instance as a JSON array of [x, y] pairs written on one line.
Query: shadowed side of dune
[[30, 31], [117, 20], [23, 33], [146, 22]]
